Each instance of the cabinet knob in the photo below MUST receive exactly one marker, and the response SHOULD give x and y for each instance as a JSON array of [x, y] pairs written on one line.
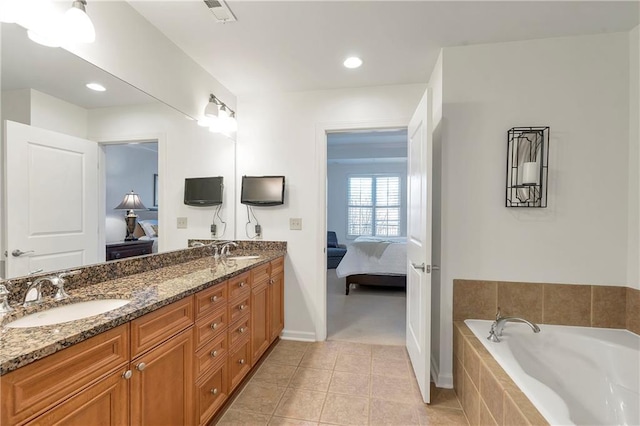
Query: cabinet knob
[[241, 361], [214, 353], [214, 298], [241, 330], [214, 325], [214, 391], [242, 307], [241, 284], [141, 366], [127, 374], [271, 281]]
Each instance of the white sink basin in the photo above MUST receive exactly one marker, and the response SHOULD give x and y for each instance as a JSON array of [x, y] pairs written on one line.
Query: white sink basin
[[66, 313], [242, 257]]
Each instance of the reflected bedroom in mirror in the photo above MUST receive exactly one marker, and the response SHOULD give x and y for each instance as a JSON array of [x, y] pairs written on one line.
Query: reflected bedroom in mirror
[[86, 151]]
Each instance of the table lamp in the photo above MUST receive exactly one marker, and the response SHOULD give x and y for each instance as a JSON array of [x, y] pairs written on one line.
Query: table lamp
[[131, 202]]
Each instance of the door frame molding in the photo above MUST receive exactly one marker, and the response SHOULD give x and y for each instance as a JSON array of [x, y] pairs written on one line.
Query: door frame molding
[[322, 130]]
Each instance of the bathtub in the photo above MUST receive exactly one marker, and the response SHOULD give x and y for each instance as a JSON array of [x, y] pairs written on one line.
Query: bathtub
[[573, 375]]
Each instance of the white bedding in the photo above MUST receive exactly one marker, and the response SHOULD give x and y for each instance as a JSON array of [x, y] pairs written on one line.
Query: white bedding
[[392, 261], [154, 247]]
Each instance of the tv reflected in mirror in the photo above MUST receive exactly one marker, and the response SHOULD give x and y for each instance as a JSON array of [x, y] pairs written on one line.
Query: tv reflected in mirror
[[262, 190], [203, 191]]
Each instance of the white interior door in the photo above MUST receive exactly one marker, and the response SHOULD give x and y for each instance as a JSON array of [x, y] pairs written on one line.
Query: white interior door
[[419, 243], [51, 207]]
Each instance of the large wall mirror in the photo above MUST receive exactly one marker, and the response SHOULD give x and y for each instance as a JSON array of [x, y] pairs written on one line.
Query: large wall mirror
[[71, 154]]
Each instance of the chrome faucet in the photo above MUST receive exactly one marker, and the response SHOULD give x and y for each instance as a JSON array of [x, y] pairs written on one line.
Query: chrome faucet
[[496, 328], [57, 281], [224, 252], [4, 299]]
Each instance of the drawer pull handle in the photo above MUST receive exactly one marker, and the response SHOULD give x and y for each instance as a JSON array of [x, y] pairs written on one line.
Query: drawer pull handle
[[214, 353], [127, 374], [241, 361], [242, 330], [242, 307], [214, 298], [141, 366], [241, 284], [214, 325], [214, 391]]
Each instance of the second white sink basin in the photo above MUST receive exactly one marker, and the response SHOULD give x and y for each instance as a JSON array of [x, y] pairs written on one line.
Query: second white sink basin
[[242, 257], [66, 313]]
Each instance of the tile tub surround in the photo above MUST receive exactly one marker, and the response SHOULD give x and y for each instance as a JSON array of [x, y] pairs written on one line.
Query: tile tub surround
[[561, 304], [487, 393], [147, 291]]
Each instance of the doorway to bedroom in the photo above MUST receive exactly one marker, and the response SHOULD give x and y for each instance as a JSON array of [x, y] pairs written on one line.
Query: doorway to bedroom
[[366, 224], [131, 167]]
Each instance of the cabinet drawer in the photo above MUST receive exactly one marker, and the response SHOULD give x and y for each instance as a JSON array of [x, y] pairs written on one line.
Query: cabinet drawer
[[212, 392], [156, 327], [239, 362], [239, 329], [43, 384], [212, 353], [239, 308], [277, 266], [210, 326], [239, 286], [211, 299], [260, 274]]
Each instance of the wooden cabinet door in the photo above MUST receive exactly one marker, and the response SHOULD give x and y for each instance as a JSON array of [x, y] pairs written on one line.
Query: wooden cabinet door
[[162, 383], [260, 333], [276, 305], [106, 403]]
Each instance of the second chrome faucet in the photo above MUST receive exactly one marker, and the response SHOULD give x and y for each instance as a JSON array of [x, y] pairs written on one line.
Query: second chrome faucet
[[496, 328]]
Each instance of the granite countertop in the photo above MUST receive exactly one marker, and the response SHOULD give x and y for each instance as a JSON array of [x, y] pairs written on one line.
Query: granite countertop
[[147, 292]]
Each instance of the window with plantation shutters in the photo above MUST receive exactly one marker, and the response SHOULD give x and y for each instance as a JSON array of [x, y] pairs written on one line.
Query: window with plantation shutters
[[373, 206]]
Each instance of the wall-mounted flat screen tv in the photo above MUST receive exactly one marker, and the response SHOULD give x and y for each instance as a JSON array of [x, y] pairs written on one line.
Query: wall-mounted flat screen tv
[[262, 190], [203, 191]]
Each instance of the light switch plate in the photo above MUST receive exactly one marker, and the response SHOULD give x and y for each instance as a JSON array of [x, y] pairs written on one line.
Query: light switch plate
[[182, 223], [295, 224]]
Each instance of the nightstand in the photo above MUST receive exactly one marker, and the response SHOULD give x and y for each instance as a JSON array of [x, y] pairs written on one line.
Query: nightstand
[[123, 249]]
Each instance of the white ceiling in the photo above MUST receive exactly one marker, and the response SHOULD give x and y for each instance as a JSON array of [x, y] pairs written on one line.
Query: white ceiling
[[300, 45]]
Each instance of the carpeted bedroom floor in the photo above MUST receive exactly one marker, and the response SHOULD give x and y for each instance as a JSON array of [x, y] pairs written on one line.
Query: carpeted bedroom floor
[[373, 315]]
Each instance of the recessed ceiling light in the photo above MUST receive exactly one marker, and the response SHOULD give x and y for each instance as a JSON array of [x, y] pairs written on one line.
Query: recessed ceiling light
[[352, 62], [97, 87]]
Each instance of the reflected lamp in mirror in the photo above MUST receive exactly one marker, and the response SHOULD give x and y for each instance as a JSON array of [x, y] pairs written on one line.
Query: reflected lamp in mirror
[[131, 202], [527, 166]]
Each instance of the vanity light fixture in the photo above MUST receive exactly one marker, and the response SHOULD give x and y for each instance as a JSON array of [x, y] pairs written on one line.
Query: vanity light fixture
[[352, 62], [77, 24], [131, 202], [96, 86], [211, 110], [219, 117]]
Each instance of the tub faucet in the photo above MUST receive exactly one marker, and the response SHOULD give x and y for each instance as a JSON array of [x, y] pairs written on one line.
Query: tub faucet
[[496, 328]]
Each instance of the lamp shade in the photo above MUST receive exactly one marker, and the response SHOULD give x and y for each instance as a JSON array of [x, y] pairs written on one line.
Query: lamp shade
[[131, 201], [78, 25]]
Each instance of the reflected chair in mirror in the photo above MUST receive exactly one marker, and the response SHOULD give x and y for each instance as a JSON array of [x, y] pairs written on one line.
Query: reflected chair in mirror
[[335, 251]]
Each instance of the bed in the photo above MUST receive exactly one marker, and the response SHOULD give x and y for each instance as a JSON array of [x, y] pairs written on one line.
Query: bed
[[148, 230], [375, 261]]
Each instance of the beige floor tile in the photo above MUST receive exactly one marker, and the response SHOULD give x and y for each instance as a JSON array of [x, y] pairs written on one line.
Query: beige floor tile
[[278, 374], [281, 421], [442, 417], [311, 378], [319, 358], [258, 398], [345, 410], [444, 398], [389, 352], [301, 404], [393, 413], [350, 384], [391, 367], [244, 418], [399, 389], [359, 364], [353, 348], [285, 356], [293, 345]]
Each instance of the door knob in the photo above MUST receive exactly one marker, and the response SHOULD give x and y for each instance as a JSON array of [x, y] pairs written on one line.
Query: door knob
[[422, 267], [18, 252]]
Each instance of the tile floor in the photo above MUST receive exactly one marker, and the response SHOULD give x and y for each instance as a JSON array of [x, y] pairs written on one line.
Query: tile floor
[[339, 383]]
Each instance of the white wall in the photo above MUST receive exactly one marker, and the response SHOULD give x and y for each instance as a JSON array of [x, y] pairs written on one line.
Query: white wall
[[579, 86], [128, 167], [184, 150], [338, 174], [278, 135], [633, 262], [60, 116]]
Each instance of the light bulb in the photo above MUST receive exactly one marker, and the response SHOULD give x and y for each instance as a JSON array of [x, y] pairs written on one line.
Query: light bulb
[[204, 121], [224, 112], [211, 110], [77, 24], [352, 62]]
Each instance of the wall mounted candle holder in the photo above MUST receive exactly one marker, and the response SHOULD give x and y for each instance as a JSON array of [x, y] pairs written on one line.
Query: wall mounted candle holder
[[527, 166]]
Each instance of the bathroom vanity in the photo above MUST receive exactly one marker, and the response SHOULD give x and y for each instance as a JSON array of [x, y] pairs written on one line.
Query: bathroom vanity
[[189, 335]]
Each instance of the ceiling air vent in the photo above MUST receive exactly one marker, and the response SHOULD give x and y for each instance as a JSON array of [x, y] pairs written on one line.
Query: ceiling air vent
[[220, 11]]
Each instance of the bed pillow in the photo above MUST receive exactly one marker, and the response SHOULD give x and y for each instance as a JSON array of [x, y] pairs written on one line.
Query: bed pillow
[[148, 227]]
